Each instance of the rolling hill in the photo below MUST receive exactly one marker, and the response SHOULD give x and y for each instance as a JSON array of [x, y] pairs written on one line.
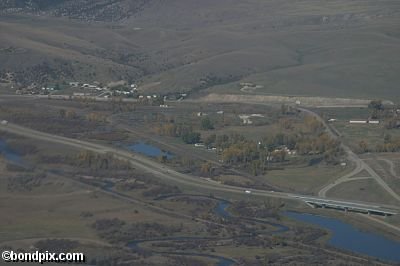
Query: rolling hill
[[331, 48]]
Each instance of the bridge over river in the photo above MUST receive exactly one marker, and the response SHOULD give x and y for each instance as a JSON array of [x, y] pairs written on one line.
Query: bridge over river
[[348, 206]]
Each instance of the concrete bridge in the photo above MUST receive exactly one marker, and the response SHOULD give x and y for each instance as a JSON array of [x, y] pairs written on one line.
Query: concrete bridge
[[349, 206]]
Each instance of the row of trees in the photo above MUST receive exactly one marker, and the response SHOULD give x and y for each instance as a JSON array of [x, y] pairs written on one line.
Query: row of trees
[[273, 149], [307, 138], [67, 114], [390, 114], [392, 123], [389, 144], [71, 114], [176, 130], [96, 117], [256, 156]]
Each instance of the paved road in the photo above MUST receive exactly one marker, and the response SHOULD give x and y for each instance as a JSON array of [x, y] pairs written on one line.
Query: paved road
[[351, 156], [360, 164], [157, 169], [171, 147], [137, 161]]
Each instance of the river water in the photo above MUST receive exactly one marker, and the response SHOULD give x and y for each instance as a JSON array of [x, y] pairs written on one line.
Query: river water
[[347, 237], [149, 150], [221, 261], [9, 154], [344, 236]]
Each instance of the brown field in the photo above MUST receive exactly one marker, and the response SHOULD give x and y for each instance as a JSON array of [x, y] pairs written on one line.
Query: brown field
[[333, 49]]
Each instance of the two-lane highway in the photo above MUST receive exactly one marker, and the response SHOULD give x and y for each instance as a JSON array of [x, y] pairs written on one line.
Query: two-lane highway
[[159, 170]]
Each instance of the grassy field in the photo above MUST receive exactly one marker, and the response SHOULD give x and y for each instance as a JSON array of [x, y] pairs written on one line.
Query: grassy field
[[371, 134], [68, 204], [307, 180], [296, 174], [344, 114], [54, 210], [384, 170], [362, 190], [352, 134], [311, 48]]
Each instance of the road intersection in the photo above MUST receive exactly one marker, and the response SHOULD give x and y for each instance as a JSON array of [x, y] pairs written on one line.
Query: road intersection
[[163, 172]]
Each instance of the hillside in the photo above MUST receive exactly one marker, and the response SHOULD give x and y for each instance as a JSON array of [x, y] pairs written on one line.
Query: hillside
[[308, 47], [88, 10]]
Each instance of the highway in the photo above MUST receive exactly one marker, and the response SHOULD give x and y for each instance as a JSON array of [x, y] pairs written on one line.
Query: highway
[[167, 174], [360, 165]]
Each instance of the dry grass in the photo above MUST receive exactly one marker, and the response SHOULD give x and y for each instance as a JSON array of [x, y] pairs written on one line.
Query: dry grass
[[311, 48], [306, 180], [362, 190]]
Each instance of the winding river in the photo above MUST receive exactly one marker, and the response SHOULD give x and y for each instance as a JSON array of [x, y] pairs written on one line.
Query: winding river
[[149, 150], [344, 236], [222, 261], [220, 210], [9, 154], [347, 237]]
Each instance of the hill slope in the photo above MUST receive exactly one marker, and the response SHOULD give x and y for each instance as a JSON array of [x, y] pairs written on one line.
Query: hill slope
[[307, 47]]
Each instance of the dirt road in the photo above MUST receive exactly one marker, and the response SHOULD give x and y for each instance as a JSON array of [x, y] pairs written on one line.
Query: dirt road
[[157, 169]]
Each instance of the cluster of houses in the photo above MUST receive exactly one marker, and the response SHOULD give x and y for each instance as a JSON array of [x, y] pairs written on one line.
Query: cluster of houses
[[148, 97], [286, 150], [119, 90], [96, 89], [104, 91], [34, 89], [82, 89]]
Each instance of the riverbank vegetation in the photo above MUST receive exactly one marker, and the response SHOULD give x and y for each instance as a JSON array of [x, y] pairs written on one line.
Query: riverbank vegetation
[[281, 147], [123, 204]]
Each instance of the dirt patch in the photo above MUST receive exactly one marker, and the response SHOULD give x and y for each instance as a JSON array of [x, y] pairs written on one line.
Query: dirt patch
[[303, 101]]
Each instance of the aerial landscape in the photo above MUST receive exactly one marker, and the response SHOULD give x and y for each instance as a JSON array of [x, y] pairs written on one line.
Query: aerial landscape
[[183, 132]]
